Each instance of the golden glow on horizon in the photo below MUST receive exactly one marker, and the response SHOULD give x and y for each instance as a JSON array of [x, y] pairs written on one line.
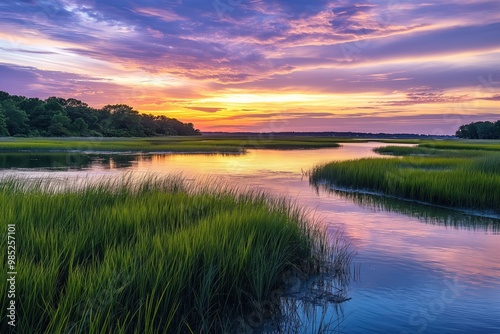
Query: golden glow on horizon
[[237, 110]]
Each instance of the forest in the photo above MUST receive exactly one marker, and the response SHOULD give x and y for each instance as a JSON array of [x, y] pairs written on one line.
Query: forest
[[58, 117], [479, 130]]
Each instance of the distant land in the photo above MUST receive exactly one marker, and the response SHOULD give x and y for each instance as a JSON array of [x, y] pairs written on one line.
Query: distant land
[[332, 134]]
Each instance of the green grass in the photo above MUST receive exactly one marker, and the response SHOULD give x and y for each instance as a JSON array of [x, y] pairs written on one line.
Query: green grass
[[456, 178], [488, 145], [153, 256], [450, 144], [424, 151], [217, 144], [166, 144]]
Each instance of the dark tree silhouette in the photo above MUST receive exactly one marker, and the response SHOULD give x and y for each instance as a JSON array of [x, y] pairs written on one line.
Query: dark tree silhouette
[[16, 118], [55, 116], [3, 123], [479, 130]]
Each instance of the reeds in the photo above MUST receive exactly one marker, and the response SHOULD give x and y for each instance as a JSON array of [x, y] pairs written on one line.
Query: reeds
[[464, 179], [200, 144], [154, 256]]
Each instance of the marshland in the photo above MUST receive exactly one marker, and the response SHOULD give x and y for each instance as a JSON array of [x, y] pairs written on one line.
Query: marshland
[[461, 176], [113, 240], [249, 167], [150, 256], [182, 144]]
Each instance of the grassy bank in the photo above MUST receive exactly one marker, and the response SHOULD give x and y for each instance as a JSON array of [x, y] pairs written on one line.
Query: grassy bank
[[457, 178], [165, 144], [486, 145], [430, 214], [152, 257]]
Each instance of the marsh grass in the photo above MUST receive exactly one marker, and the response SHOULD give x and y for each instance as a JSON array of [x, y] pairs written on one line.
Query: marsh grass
[[449, 144], [153, 256], [197, 144], [456, 178], [482, 145]]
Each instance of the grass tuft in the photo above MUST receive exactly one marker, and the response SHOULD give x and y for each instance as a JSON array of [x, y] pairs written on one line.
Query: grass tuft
[[460, 178], [153, 256]]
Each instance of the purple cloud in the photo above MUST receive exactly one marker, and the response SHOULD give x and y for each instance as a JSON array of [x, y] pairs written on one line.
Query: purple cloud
[[206, 109], [492, 98], [428, 96]]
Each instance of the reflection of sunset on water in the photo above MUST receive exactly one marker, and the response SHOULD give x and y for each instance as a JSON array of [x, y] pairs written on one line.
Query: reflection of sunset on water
[[405, 261], [254, 160]]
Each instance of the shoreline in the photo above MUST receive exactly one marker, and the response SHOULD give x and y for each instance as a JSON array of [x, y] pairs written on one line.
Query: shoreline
[[476, 213]]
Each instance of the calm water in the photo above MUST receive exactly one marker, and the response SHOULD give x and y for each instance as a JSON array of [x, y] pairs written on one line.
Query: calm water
[[421, 269]]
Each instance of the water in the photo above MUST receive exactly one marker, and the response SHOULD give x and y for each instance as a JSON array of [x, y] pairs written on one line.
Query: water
[[421, 269]]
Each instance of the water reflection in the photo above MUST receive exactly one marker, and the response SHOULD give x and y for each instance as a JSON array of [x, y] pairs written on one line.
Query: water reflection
[[302, 316], [410, 255], [430, 214], [52, 161], [314, 304], [68, 161], [254, 161], [44, 160]]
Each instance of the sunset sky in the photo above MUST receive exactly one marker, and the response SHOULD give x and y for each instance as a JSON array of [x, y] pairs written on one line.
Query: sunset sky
[[254, 65]]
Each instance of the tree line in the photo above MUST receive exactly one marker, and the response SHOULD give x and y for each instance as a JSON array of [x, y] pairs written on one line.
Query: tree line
[[57, 117], [479, 130]]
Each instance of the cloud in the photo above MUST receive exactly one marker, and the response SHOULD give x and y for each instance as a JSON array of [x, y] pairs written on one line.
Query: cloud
[[492, 98], [40, 52], [280, 116], [440, 74], [164, 15], [206, 109], [32, 82], [445, 124], [23, 80], [428, 96], [436, 124], [349, 19], [423, 52], [193, 41]]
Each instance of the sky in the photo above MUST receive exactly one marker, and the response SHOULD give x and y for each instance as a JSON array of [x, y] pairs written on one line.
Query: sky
[[252, 65]]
